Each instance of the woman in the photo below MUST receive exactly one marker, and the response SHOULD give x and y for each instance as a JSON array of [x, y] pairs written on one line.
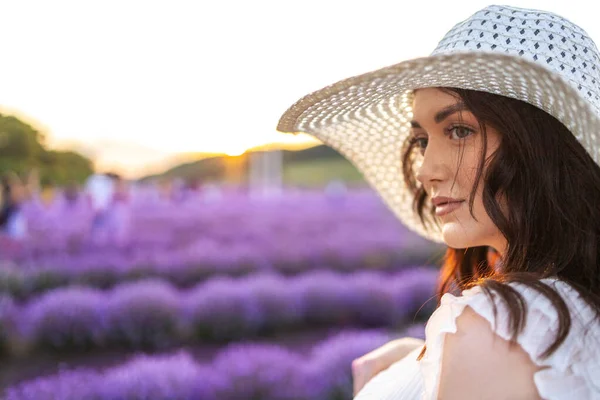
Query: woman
[[490, 144]]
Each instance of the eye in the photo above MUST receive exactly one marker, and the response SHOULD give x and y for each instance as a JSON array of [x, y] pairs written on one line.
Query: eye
[[458, 132], [420, 143]]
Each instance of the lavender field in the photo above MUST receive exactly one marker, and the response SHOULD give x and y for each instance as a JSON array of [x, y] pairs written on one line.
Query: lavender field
[[191, 240], [199, 297]]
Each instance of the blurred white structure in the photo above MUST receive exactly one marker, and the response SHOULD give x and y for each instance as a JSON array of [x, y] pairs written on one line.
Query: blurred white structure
[[266, 173], [101, 189]]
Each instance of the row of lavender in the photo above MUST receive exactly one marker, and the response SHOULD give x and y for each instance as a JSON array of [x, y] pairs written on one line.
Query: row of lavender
[[153, 315], [241, 371], [23, 282], [155, 275], [188, 242], [146, 224]]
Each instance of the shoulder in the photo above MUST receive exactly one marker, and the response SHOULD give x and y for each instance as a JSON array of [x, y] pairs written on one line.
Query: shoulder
[[541, 316], [476, 354], [471, 333]]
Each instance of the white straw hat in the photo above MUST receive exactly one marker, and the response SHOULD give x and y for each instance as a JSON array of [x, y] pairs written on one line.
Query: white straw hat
[[530, 55]]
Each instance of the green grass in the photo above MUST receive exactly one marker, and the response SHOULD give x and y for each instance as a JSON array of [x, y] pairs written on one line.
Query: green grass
[[320, 172]]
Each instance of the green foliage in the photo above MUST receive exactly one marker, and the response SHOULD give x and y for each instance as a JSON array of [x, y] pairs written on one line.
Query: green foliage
[[319, 172], [207, 169], [315, 166], [22, 149], [62, 167], [19, 140]]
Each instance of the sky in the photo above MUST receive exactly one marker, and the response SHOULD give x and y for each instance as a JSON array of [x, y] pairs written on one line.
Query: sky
[[136, 84]]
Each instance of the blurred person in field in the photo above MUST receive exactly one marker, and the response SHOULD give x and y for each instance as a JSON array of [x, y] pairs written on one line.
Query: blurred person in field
[[99, 189], [73, 214], [192, 189], [119, 212], [166, 190], [71, 193], [48, 194], [12, 220], [32, 185], [178, 190], [7, 207]]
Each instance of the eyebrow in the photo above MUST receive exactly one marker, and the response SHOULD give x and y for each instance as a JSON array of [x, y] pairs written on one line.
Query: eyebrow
[[443, 114]]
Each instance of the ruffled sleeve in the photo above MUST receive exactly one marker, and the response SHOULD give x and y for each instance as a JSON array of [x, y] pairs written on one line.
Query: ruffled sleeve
[[573, 370]]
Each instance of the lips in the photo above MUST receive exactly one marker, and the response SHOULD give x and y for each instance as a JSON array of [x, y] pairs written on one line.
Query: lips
[[445, 205], [447, 208]]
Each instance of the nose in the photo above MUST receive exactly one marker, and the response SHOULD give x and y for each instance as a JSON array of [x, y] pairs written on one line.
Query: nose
[[434, 167]]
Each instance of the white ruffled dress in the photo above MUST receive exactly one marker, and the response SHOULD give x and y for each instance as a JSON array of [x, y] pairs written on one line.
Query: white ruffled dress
[[573, 370]]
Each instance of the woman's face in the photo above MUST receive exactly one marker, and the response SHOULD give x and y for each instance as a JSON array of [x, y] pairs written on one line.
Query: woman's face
[[451, 142]]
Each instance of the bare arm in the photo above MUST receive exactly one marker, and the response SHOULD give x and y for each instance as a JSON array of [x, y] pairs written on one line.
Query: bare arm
[[368, 366], [477, 364]]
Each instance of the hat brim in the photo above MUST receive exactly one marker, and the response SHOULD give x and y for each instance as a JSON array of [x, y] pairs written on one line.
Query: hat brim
[[367, 117]]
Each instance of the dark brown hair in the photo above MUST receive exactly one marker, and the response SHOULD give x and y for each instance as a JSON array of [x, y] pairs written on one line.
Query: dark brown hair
[[551, 187]]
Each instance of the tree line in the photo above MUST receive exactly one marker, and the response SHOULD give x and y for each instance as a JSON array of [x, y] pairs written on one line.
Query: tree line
[[23, 149]]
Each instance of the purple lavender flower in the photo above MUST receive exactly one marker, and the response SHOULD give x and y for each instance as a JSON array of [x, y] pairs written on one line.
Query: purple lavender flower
[[415, 331], [327, 297], [260, 372], [173, 377], [241, 371], [67, 385], [222, 309], [154, 315], [413, 291], [331, 361], [187, 242], [372, 302], [143, 314], [7, 317], [282, 310], [69, 317], [12, 279]]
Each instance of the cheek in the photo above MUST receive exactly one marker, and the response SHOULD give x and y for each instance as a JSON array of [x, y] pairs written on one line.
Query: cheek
[[464, 175], [463, 229], [469, 163]]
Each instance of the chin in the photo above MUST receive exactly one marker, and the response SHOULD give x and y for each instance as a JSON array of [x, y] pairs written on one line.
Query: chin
[[457, 236]]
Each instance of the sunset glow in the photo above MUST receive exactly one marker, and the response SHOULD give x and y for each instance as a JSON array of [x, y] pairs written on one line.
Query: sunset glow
[[132, 84]]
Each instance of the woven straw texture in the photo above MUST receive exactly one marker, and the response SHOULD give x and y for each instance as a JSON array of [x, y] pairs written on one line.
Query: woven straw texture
[[530, 55]]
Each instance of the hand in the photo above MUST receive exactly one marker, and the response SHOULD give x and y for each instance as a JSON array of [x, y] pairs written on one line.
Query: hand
[[369, 365]]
